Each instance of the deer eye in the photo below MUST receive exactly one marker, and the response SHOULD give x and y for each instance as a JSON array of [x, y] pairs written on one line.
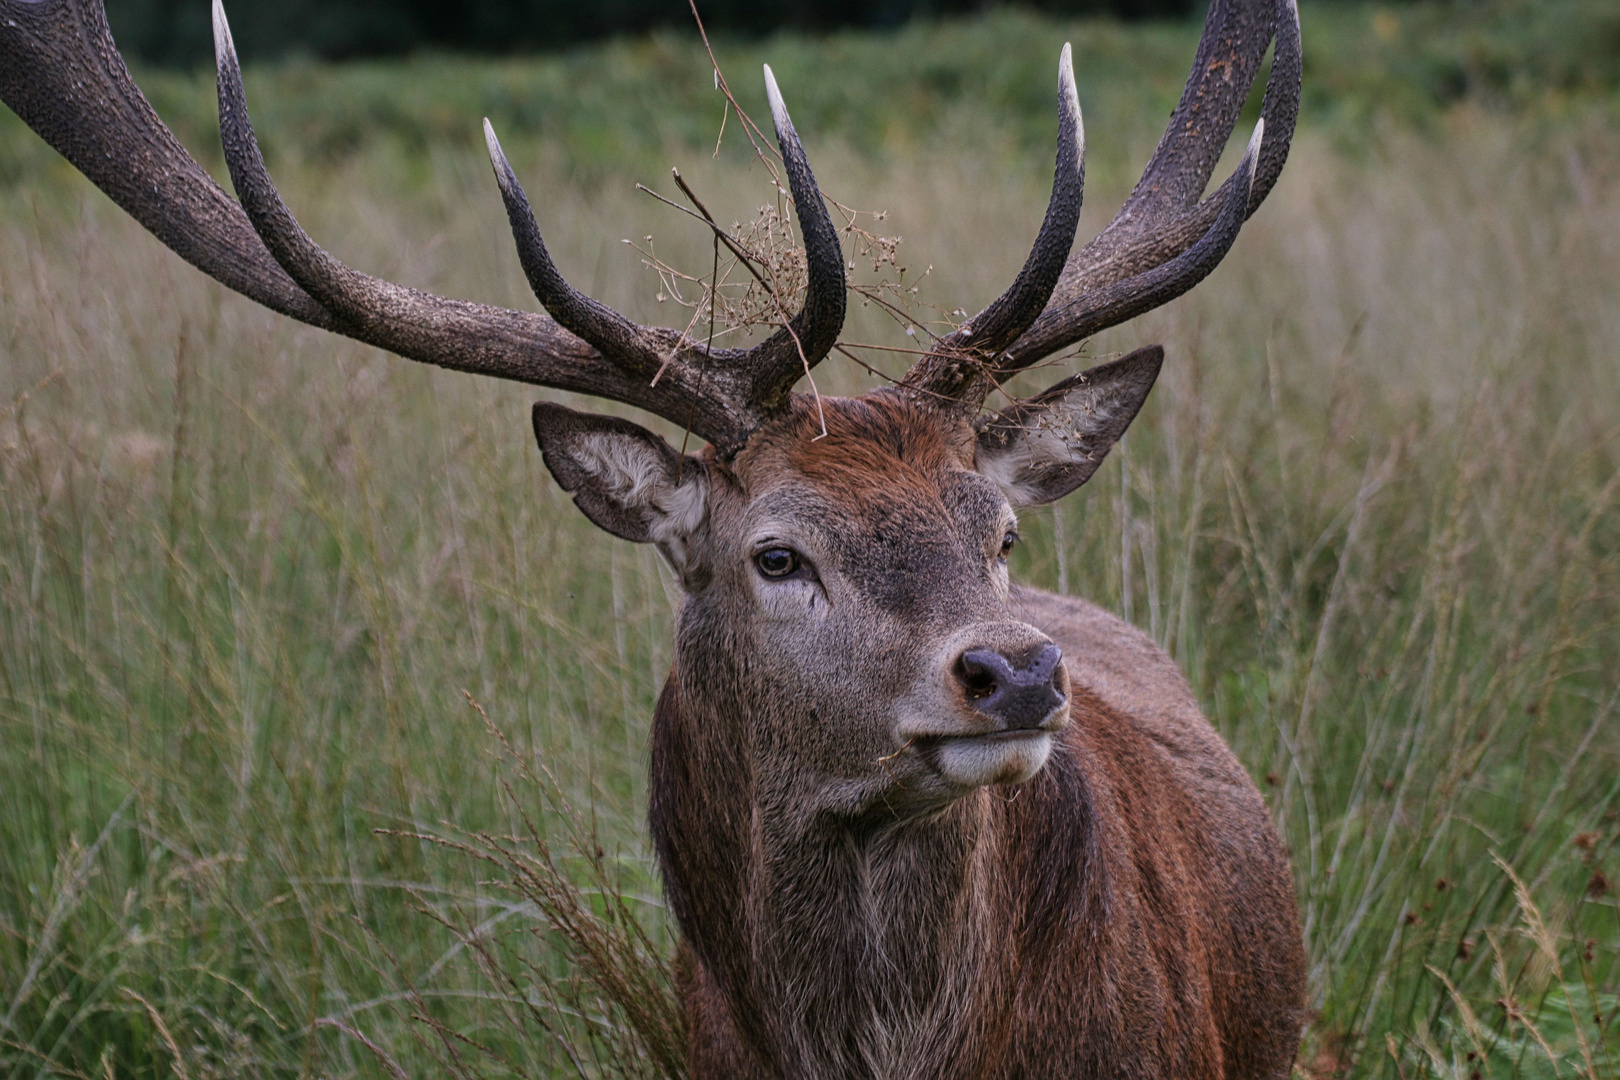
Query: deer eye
[[777, 562], [1007, 543]]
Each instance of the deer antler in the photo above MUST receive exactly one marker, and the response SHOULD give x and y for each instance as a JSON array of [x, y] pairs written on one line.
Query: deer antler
[[62, 74], [1163, 241]]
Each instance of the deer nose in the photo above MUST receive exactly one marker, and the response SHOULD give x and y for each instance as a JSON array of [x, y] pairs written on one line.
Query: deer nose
[[1017, 695]]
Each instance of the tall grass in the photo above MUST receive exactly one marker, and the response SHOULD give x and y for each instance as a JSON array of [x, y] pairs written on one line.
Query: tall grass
[[250, 573]]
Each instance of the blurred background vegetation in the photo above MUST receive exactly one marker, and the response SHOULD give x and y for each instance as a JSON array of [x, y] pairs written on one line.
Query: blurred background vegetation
[[251, 573], [1441, 50], [177, 31], [634, 95]]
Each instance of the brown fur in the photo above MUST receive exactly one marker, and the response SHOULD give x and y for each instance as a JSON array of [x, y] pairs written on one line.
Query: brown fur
[[1127, 911]]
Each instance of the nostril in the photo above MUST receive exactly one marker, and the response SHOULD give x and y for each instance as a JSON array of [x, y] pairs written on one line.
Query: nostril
[[977, 677], [1050, 661]]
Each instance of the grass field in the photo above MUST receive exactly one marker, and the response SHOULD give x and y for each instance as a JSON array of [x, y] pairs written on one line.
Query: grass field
[[252, 577]]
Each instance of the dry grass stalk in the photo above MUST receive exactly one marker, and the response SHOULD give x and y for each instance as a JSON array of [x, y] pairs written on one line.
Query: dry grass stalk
[[615, 1013]]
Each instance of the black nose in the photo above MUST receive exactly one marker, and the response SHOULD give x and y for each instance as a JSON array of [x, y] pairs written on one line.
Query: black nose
[[1017, 696]]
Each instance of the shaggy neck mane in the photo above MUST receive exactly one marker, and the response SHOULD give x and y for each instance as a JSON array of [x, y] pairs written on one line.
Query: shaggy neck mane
[[874, 946]]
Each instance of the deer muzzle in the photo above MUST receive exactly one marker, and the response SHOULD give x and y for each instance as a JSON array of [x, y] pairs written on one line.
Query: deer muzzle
[[988, 711]]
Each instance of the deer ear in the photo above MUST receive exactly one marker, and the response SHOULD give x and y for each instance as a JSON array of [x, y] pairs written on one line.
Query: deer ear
[[626, 479], [1041, 449]]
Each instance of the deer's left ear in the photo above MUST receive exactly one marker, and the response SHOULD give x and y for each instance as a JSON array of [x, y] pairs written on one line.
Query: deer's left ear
[[1041, 449], [626, 479]]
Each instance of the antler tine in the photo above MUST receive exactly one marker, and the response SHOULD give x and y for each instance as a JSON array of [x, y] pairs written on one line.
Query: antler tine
[[1236, 34], [1113, 304], [954, 369], [334, 286], [611, 333], [776, 363], [1280, 105]]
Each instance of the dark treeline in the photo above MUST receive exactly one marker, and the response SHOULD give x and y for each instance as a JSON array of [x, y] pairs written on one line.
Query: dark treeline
[[177, 31]]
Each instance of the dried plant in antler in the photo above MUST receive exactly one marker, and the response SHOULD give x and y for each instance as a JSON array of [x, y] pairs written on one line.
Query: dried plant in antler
[[761, 274], [759, 271]]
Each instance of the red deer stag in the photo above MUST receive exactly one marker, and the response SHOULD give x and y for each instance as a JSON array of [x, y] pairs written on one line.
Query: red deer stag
[[914, 821]]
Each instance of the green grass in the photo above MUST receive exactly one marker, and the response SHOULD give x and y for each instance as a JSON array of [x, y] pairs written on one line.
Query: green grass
[[248, 570]]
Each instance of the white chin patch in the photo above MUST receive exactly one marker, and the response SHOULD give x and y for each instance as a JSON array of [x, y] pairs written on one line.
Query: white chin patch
[[976, 762]]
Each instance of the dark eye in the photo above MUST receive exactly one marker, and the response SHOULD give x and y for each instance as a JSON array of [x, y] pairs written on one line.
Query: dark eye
[[1007, 543], [777, 562]]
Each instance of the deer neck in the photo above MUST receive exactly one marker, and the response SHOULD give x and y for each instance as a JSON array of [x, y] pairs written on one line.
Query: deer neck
[[845, 947]]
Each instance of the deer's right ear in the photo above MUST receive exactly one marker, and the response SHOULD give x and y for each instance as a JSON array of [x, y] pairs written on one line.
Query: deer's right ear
[[626, 479]]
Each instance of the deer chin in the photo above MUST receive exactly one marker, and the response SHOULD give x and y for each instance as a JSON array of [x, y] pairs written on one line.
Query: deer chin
[[1002, 757]]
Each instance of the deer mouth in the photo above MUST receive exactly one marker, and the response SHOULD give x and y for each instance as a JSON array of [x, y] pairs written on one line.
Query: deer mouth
[[979, 760], [1003, 736]]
